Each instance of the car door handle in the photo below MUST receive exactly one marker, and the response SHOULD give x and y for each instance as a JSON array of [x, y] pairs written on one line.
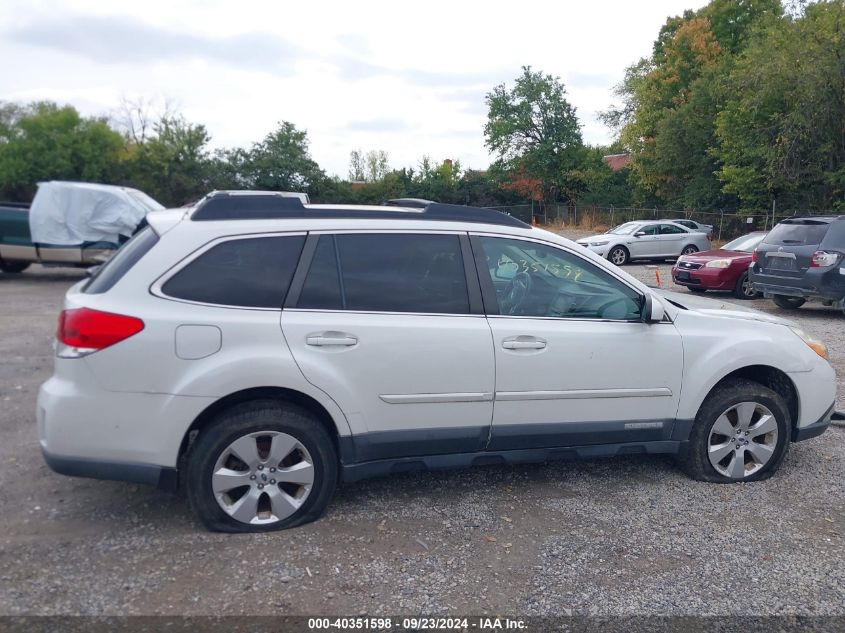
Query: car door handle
[[328, 339], [524, 342]]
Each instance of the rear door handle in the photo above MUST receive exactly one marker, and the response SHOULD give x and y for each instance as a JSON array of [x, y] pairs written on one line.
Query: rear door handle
[[524, 342], [328, 339]]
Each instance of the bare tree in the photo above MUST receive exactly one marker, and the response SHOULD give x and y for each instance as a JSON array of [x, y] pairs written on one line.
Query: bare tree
[[136, 118], [357, 166]]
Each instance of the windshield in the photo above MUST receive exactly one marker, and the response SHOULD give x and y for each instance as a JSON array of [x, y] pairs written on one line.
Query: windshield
[[744, 244], [625, 229]]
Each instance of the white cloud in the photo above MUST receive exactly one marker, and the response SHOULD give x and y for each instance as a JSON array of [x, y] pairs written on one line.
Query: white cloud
[[409, 79]]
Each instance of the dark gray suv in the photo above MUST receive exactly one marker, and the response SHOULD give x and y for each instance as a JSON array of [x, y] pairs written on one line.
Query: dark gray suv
[[800, 259]]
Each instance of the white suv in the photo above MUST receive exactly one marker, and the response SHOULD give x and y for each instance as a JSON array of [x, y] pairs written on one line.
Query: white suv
[[256, 350]]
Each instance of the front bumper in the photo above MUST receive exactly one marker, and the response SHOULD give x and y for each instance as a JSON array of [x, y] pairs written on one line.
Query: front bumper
[[816, 428], [598, 250], [709, 278]]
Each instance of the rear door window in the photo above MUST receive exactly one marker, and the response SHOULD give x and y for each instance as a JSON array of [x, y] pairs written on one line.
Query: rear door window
[[670, 229], [387, 272], [250, 273]]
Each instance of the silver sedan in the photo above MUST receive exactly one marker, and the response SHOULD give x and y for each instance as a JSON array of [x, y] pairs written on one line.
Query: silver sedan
[[646, 240]]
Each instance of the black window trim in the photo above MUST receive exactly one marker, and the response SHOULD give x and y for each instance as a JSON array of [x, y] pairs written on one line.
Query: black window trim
[[474, 292], [488, 291], [156, 287]]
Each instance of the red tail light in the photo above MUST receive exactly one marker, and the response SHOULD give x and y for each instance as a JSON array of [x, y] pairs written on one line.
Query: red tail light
[[754, 255], [709, 237], [823, 258], [93, 330]]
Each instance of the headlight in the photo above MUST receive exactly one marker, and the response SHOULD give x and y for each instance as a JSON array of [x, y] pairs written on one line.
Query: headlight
[[812, 342], [603, 243], [718, 263]]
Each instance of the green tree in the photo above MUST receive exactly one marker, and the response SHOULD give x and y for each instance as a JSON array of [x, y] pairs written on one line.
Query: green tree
[[282, 162], [44, 141], [782, 129], [670, 101], [532, 127], [172, 164]]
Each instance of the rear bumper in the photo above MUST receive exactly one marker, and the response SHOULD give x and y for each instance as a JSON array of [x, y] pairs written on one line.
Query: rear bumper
[[150, 474], [87, 431], [817, 283]]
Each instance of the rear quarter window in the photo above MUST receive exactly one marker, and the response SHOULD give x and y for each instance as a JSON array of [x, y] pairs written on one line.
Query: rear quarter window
[[121, 262], [250, 272]]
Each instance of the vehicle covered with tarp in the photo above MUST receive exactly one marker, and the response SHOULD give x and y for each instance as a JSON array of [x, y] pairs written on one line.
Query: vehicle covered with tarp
[[70, 224]]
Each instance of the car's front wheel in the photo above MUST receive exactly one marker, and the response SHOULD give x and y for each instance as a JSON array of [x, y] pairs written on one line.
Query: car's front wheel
[[689, 250], [261, 466], [741, 433], [788, 303], [619, 255]]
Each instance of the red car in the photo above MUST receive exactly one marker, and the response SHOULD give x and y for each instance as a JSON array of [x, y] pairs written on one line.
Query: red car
[[722, 269]]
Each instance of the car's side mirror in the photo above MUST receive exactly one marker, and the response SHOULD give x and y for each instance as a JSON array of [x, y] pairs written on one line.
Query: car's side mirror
[[639, 233], [653, 311]]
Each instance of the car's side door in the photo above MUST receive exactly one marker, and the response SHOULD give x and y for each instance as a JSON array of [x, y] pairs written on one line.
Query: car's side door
[[391, 326], [671, 240], [644, 242], [575, 363]]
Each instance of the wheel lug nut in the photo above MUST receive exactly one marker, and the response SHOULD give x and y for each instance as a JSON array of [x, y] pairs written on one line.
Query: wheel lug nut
[[260, 467], [272, 470], [252, 476], [260, 486], [272, 481]]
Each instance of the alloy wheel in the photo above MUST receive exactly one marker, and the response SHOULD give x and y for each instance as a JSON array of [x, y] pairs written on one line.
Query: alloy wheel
[[617, 256], [263, 477], [742, 440], [748, 288]]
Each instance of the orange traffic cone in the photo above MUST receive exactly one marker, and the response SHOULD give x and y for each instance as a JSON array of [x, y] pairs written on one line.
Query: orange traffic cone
[[533, 220]]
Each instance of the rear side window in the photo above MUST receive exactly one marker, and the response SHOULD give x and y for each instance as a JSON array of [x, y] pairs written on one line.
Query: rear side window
[[797, 233], [670, 229], [251, 273], [387, 273], [121, 262]]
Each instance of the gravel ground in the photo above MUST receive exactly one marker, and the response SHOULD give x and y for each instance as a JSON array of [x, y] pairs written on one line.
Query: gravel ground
[[621, 536]]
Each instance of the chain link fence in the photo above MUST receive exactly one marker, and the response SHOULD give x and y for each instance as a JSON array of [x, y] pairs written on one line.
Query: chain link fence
[[727, 225]]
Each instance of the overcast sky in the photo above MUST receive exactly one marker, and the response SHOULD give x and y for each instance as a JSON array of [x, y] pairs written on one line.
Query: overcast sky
[[406, 78]]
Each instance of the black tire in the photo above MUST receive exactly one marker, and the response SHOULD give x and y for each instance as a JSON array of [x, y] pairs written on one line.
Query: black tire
[[741, 290], [13, 267], [697, 290], [254, 417], [788, 303], [689, 249], [694, 455], [620, 254]]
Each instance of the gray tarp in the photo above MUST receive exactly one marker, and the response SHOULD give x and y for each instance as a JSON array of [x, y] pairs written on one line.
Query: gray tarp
[[72, 213]]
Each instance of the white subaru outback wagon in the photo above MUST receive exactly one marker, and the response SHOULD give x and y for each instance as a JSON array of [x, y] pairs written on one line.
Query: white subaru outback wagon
[[256, 350]]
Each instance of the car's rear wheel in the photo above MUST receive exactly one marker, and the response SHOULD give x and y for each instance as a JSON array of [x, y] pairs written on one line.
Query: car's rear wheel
[[788, 303], [744, 288], [619, 255], [261, 466], [741, 433], [13, 267], [689, 250]]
